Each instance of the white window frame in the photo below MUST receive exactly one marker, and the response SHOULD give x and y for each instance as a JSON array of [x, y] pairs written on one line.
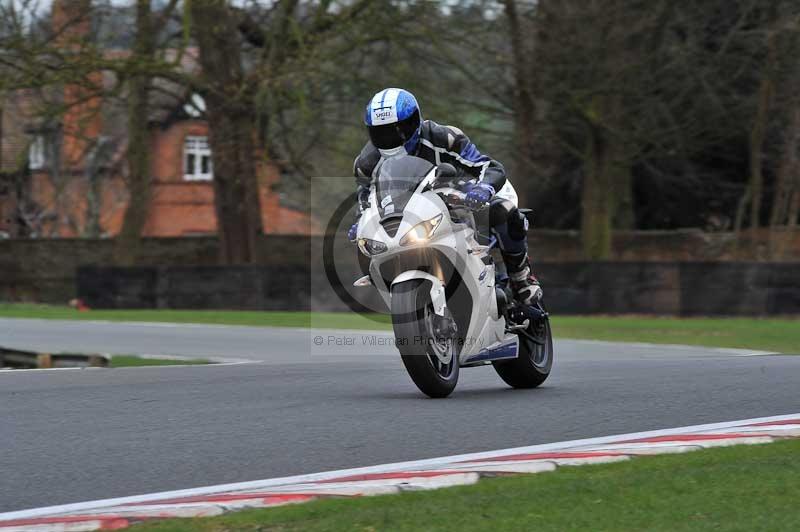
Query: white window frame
[[198, 147], [37, 156]]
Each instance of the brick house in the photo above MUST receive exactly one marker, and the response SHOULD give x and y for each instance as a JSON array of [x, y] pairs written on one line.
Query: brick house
[[183, 200], [66, 177]]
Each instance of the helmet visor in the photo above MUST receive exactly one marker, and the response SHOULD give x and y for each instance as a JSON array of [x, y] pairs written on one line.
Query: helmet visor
[[387, 136]]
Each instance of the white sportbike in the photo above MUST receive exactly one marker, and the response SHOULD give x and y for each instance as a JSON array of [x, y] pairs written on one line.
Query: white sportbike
[[442, 277]]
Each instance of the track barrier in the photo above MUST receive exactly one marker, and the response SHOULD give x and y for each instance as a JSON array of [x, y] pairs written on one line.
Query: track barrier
[[654, 288], [22, 359]]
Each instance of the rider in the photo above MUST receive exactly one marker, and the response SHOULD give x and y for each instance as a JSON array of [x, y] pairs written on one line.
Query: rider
[[396, 128]]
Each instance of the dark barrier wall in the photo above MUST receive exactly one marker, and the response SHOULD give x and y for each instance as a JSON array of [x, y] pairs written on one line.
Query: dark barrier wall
[[684, 289], [678, 288], [196, 287], [43, 270]]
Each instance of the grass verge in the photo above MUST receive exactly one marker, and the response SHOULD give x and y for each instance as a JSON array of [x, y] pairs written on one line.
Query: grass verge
[[763, 334], [779, 335], [132, 361], [736, 488], [333, 320]]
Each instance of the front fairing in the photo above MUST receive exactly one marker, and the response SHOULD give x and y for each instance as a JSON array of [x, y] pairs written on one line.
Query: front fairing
[[397, 181], [451, 246]]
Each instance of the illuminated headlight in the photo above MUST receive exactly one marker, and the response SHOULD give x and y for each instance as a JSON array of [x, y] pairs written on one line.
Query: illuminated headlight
[[371, 247], [421, 232]]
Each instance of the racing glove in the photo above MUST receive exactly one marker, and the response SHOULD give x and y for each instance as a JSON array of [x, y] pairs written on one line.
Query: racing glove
[[479, 195]]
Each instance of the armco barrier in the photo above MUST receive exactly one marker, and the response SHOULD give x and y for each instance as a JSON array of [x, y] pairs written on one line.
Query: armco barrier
[[23, 359], [660, 288]]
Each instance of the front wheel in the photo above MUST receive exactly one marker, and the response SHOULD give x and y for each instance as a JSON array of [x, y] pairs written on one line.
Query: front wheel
[[431, 361], [532, 367]]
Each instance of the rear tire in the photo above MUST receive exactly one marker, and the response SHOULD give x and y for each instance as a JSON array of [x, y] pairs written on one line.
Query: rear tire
[[532, 367], [431, 363]]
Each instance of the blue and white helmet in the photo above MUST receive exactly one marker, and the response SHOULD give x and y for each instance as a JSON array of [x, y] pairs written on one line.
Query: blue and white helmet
[[393, 121]]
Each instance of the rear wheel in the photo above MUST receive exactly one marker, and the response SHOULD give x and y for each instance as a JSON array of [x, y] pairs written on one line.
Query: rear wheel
[[431, 361], [532, 367]]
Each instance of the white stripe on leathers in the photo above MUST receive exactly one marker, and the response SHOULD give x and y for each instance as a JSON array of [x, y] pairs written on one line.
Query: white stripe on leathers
[[507, 192]]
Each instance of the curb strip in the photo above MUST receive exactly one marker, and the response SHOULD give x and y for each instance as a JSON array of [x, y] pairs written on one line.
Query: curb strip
[[114, 514]]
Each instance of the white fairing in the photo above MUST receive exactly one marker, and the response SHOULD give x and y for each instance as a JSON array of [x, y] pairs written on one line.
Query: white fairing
[[437, 288], [487, 329]]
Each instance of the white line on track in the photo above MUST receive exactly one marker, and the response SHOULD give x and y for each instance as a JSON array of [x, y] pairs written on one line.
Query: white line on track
[[384, 468], [161, 366], [25, 370], [215, 362]]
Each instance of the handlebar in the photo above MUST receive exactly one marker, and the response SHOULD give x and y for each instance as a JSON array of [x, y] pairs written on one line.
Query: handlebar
[[457, 198]]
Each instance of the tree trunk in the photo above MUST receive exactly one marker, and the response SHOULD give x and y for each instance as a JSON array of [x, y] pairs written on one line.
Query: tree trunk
[[95, 162], [596, 200], [794, 210], [759, 130], [607, 199], [794, 203], [2, 103], [129, 240], [524, 106], [622, 189], [786, 171], [785, 184], [229, 104]]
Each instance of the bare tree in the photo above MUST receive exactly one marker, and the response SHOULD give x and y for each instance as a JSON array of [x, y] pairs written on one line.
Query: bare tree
[[229, 100], [523, 52], [595, 88], [140, 77], [282, 41]]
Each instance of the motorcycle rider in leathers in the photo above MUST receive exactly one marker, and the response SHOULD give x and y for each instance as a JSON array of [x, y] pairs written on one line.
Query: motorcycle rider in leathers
[[396, 127]]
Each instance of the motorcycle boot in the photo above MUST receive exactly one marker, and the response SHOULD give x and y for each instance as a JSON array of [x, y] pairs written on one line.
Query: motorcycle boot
[[524, 283]]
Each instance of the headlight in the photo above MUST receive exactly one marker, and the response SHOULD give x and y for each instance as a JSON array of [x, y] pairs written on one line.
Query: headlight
[[371, 247], [421, 232]]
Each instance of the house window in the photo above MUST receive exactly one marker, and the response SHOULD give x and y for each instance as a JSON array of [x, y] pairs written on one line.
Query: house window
[[36, 153], [197, 159]]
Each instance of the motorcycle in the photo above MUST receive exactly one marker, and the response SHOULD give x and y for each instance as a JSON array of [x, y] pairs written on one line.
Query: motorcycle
[[444, 282]]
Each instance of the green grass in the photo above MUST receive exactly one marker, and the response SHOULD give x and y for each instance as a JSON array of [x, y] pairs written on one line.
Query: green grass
[[780, 335], [335, 320], [765, 334], [132, 361], [728, 489]]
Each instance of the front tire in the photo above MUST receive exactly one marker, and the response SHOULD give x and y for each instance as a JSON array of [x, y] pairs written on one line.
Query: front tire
[[432, 363], [532, 367]]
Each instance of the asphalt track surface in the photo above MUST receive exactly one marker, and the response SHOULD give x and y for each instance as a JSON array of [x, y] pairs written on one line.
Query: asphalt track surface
[[75, 435]]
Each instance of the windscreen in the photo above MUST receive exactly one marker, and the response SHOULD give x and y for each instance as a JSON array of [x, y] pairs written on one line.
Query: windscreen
[[397, 179]]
